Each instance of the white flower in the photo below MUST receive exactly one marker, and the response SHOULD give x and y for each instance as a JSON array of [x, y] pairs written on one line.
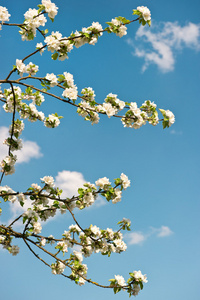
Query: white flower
[[30, 214], [21, 67], [139, 277], [52, 43], [125, 181], [118, 195], [7, 189], [74, 228], [57, 268], [69, 79], [2, 238], [102, 182], [81, 281], [21, 197], [78, 255], [97, 26], [145, 12], [135, 109], [95, 230], [120, 245], [4, 15], [38, 46], [70, 93], [14, 250], [115, 22], [110, 233], [88, 199], [126, 221], [51, 121], [63, 246], [48, 180], [122, 31], [136, 289], [93, 40], [37, 227], [41, 116], [109, 109], [171, 117], [43, 242], [50, 8], [7, 164], [79, 41], [52, 78], [32, 69], [33, 22], [120, 103], [120, 280]]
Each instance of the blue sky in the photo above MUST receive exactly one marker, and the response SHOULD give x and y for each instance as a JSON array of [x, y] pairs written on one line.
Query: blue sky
[[161, 64]]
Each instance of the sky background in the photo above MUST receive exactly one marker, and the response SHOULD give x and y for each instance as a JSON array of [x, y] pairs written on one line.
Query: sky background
[[161, 64]]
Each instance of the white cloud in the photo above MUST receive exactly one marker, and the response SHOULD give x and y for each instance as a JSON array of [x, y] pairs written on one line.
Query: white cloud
[[69, 182], [135, 238], [159, 44], [138, 237], [176, 132], [30, 149], [164, 231]]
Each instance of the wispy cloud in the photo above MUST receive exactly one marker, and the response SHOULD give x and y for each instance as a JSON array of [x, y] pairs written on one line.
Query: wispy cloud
[[175, 132], [138, 237], [135, 238], [164, 231], [159, 44], [30, 149]]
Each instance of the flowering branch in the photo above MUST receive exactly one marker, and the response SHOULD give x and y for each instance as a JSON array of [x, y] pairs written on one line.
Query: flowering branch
[[45, 202]]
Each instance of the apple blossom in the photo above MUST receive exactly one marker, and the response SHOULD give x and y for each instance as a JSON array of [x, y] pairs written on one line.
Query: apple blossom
[[145, 12], [4, 15], [52, 79], [120, 280], [50, 8], [125, 181]]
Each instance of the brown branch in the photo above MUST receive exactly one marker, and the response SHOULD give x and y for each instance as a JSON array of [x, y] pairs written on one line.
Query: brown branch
[[12, 130]]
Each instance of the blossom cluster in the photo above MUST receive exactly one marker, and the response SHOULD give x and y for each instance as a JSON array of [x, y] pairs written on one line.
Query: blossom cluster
[[144, 15], [4, 15], [58, 44], [34, 18], [169, 118], [92, 240], [5, 243], [26, 111], [133, 285], [49, 7], [30, 69], [135, 117], [117, 26]]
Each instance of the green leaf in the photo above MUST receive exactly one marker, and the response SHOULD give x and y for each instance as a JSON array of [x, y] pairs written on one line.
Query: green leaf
[[149, 22], [54, 56]]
